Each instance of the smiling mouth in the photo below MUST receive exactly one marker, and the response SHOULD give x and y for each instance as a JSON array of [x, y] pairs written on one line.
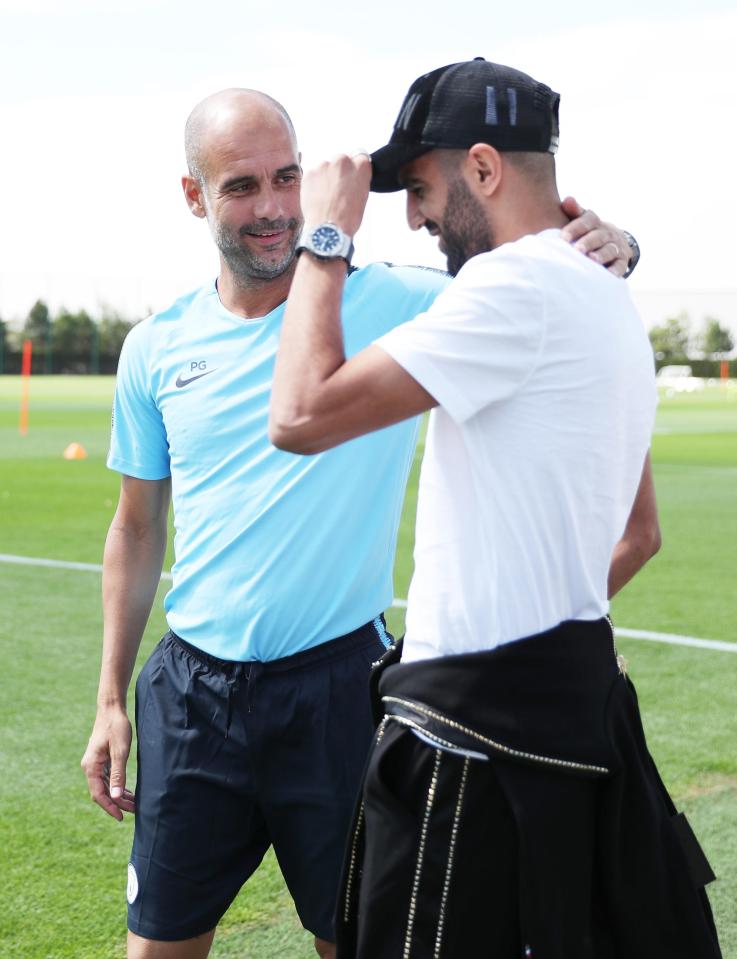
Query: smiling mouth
[[268, 239]]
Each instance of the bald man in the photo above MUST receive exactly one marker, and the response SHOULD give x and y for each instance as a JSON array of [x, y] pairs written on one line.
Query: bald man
[[253, 718]]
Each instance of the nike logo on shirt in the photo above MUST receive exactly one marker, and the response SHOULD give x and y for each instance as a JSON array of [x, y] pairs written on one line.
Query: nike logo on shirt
[[180, 382]]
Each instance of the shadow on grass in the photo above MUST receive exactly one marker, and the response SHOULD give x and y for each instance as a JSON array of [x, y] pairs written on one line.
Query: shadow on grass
[[713, 815], [281, 938]]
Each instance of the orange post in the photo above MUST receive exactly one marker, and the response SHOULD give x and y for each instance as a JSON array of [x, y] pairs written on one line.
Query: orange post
[[724, 370], [25, 373]]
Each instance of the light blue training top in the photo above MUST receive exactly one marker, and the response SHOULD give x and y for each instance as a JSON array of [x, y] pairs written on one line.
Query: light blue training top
[[275, 553]]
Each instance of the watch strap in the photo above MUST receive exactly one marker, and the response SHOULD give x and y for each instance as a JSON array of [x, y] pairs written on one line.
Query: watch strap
[[307, 242], [634, 254]]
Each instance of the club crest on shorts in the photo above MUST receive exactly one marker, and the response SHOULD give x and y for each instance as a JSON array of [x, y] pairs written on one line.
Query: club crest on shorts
[[132, 890]]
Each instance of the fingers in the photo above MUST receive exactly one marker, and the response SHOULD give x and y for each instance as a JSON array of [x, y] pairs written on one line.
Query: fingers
[[104, 764], [602, 242], [580, 227], [117, 773], [337, 191], [355, 163], [126, 802], [122, 797], [96, 771], [342, 165], [607, 253], [606, 245], [597, 244], [572, 208], [618, 266], [615, 254]]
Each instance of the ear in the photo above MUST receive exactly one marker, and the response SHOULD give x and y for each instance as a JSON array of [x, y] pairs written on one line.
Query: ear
[[193, 196], [485, 168]]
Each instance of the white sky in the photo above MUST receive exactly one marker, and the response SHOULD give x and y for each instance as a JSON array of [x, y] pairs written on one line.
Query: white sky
[[94, 95]]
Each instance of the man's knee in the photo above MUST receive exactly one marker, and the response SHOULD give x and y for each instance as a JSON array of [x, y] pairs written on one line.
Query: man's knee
[[196, 948], [325, 950]]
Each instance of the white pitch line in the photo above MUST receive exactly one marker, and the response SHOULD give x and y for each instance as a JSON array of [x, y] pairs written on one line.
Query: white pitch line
[[53, 563], [675, 640], [669, 638], [57, 564]]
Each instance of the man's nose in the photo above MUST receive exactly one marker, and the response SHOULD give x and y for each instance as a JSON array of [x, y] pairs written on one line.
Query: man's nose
[[267, 206], [415, 219]]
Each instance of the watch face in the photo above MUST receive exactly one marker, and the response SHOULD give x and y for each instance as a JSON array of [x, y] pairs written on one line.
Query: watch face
[[325, 239]]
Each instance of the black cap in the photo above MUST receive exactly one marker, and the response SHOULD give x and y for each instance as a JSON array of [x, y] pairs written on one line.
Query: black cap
[[465, 103]]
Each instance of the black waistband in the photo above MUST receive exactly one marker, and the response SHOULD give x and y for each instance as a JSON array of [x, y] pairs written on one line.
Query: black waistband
[[332, 649], [544, 695]]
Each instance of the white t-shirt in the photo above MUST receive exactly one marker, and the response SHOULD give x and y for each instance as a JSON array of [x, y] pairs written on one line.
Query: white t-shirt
[[545, 383]]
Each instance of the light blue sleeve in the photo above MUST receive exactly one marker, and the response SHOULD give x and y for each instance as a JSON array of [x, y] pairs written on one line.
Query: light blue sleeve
[[422, 284], [138, 442]]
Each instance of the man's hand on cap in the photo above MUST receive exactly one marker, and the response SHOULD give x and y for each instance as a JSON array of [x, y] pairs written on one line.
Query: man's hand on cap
[[602, 242], [336, 191]]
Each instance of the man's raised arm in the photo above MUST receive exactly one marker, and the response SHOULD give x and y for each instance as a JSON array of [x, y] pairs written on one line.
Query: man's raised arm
[[318, 398]]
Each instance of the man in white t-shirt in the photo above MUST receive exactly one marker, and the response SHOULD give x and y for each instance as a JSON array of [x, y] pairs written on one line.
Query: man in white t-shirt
[[510, 805]]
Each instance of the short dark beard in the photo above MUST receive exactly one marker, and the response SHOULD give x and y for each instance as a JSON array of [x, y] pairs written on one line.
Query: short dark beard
[[246, 266], [464, 227]]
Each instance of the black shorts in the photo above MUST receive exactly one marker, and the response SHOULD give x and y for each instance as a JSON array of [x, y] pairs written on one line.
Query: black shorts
[[235, 757]]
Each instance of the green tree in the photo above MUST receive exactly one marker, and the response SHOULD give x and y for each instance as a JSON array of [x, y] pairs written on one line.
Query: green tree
[[670, 341], [73, 337], [3, 343], [113, 330], [37, 325], [716, 340]]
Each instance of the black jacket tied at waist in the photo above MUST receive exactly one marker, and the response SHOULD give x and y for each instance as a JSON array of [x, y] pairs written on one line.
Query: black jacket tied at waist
[[557, 704]]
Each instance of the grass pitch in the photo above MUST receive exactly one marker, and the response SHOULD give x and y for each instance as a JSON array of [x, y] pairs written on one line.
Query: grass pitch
[[65, 861]]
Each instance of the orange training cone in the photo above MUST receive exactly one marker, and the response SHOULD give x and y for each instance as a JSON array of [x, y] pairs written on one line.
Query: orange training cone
[[75, 451]]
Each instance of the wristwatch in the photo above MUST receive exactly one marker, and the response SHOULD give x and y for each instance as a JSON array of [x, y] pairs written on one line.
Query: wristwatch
[[634, 254], [326, 242]]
